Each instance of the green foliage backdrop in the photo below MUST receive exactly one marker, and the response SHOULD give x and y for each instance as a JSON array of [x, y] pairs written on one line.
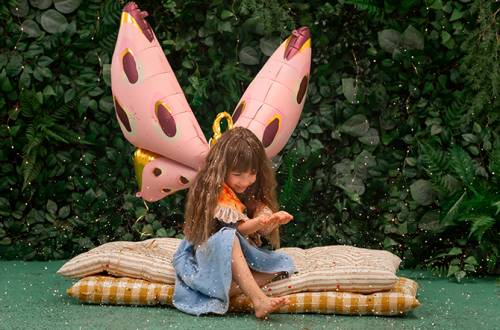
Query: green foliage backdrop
[[398, 146]]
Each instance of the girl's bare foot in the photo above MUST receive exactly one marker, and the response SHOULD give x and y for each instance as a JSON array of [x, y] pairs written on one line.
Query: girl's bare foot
[[268, 305]]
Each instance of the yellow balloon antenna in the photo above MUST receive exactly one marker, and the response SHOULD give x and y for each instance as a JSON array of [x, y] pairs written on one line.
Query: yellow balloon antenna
[[216, 126]]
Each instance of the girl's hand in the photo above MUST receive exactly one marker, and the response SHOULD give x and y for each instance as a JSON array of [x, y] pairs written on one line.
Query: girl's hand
[[267, 223], [280, 218], [267, 220]]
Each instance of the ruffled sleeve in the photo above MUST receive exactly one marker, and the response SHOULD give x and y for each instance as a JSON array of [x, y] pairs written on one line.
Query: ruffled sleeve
[[228, 214], [229, 208]]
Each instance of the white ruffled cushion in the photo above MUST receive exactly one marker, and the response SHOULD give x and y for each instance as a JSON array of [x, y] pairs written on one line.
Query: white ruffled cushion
[[327, 268]]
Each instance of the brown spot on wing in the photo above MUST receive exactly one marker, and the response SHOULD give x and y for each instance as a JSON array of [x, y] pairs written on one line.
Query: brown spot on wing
[[183, 180], [122, 116], [166, 120], [302, 89], [166, 190], [130, 67], [157, 171], [270, 132]]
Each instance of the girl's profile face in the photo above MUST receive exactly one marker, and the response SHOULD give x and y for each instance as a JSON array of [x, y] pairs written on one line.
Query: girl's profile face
[[240, 181]]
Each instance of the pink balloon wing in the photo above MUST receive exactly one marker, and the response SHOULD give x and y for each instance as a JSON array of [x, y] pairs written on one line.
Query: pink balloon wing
[[150, 106], [272, 103]]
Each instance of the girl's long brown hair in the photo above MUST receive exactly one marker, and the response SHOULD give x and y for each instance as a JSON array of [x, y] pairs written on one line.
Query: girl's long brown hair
[[237, 150]]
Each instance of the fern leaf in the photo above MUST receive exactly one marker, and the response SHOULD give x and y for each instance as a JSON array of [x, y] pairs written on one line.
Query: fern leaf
[[447, 184], [297, 186], [497, 207], [480, 224], [434, 160], [456, 116], [453, 211], [33, 143], [69, 135], [54, 135], [288, 192], [28, 103], [30, 132], [30, 169], [462, 165], [61, 113], [111, 13], [372, 7]]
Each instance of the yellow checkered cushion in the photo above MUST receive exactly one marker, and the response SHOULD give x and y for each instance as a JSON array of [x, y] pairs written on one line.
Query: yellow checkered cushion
[[400, 299], [127, 291], [121, 291]]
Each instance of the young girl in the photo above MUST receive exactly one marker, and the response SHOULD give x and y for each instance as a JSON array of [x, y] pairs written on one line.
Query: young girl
[[230, 204]]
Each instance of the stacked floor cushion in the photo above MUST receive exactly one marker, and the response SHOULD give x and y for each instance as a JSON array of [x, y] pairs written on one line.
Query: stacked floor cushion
[[127, 291], [330, 279]]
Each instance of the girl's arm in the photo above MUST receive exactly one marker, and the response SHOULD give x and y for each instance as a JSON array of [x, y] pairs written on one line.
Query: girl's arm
[[264, 223], [253, 225]]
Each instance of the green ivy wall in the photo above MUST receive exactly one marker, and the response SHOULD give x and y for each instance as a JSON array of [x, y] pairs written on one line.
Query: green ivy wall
[[398, 146]]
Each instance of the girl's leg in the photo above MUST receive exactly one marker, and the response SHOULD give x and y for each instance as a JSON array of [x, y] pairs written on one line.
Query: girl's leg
[[263, 278], [242, 275], [259, 277]]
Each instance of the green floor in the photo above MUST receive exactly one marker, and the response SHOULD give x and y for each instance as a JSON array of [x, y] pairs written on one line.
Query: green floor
[[32, 296]]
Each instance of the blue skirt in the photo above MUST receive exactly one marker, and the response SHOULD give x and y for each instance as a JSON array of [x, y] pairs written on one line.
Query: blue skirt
[[204, 275]]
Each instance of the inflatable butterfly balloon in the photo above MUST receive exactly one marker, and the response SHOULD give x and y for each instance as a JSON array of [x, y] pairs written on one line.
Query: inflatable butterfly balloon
[[155, 116]]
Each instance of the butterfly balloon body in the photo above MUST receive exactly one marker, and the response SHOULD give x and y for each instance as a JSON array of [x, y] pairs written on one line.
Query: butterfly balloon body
[[154, 115]]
